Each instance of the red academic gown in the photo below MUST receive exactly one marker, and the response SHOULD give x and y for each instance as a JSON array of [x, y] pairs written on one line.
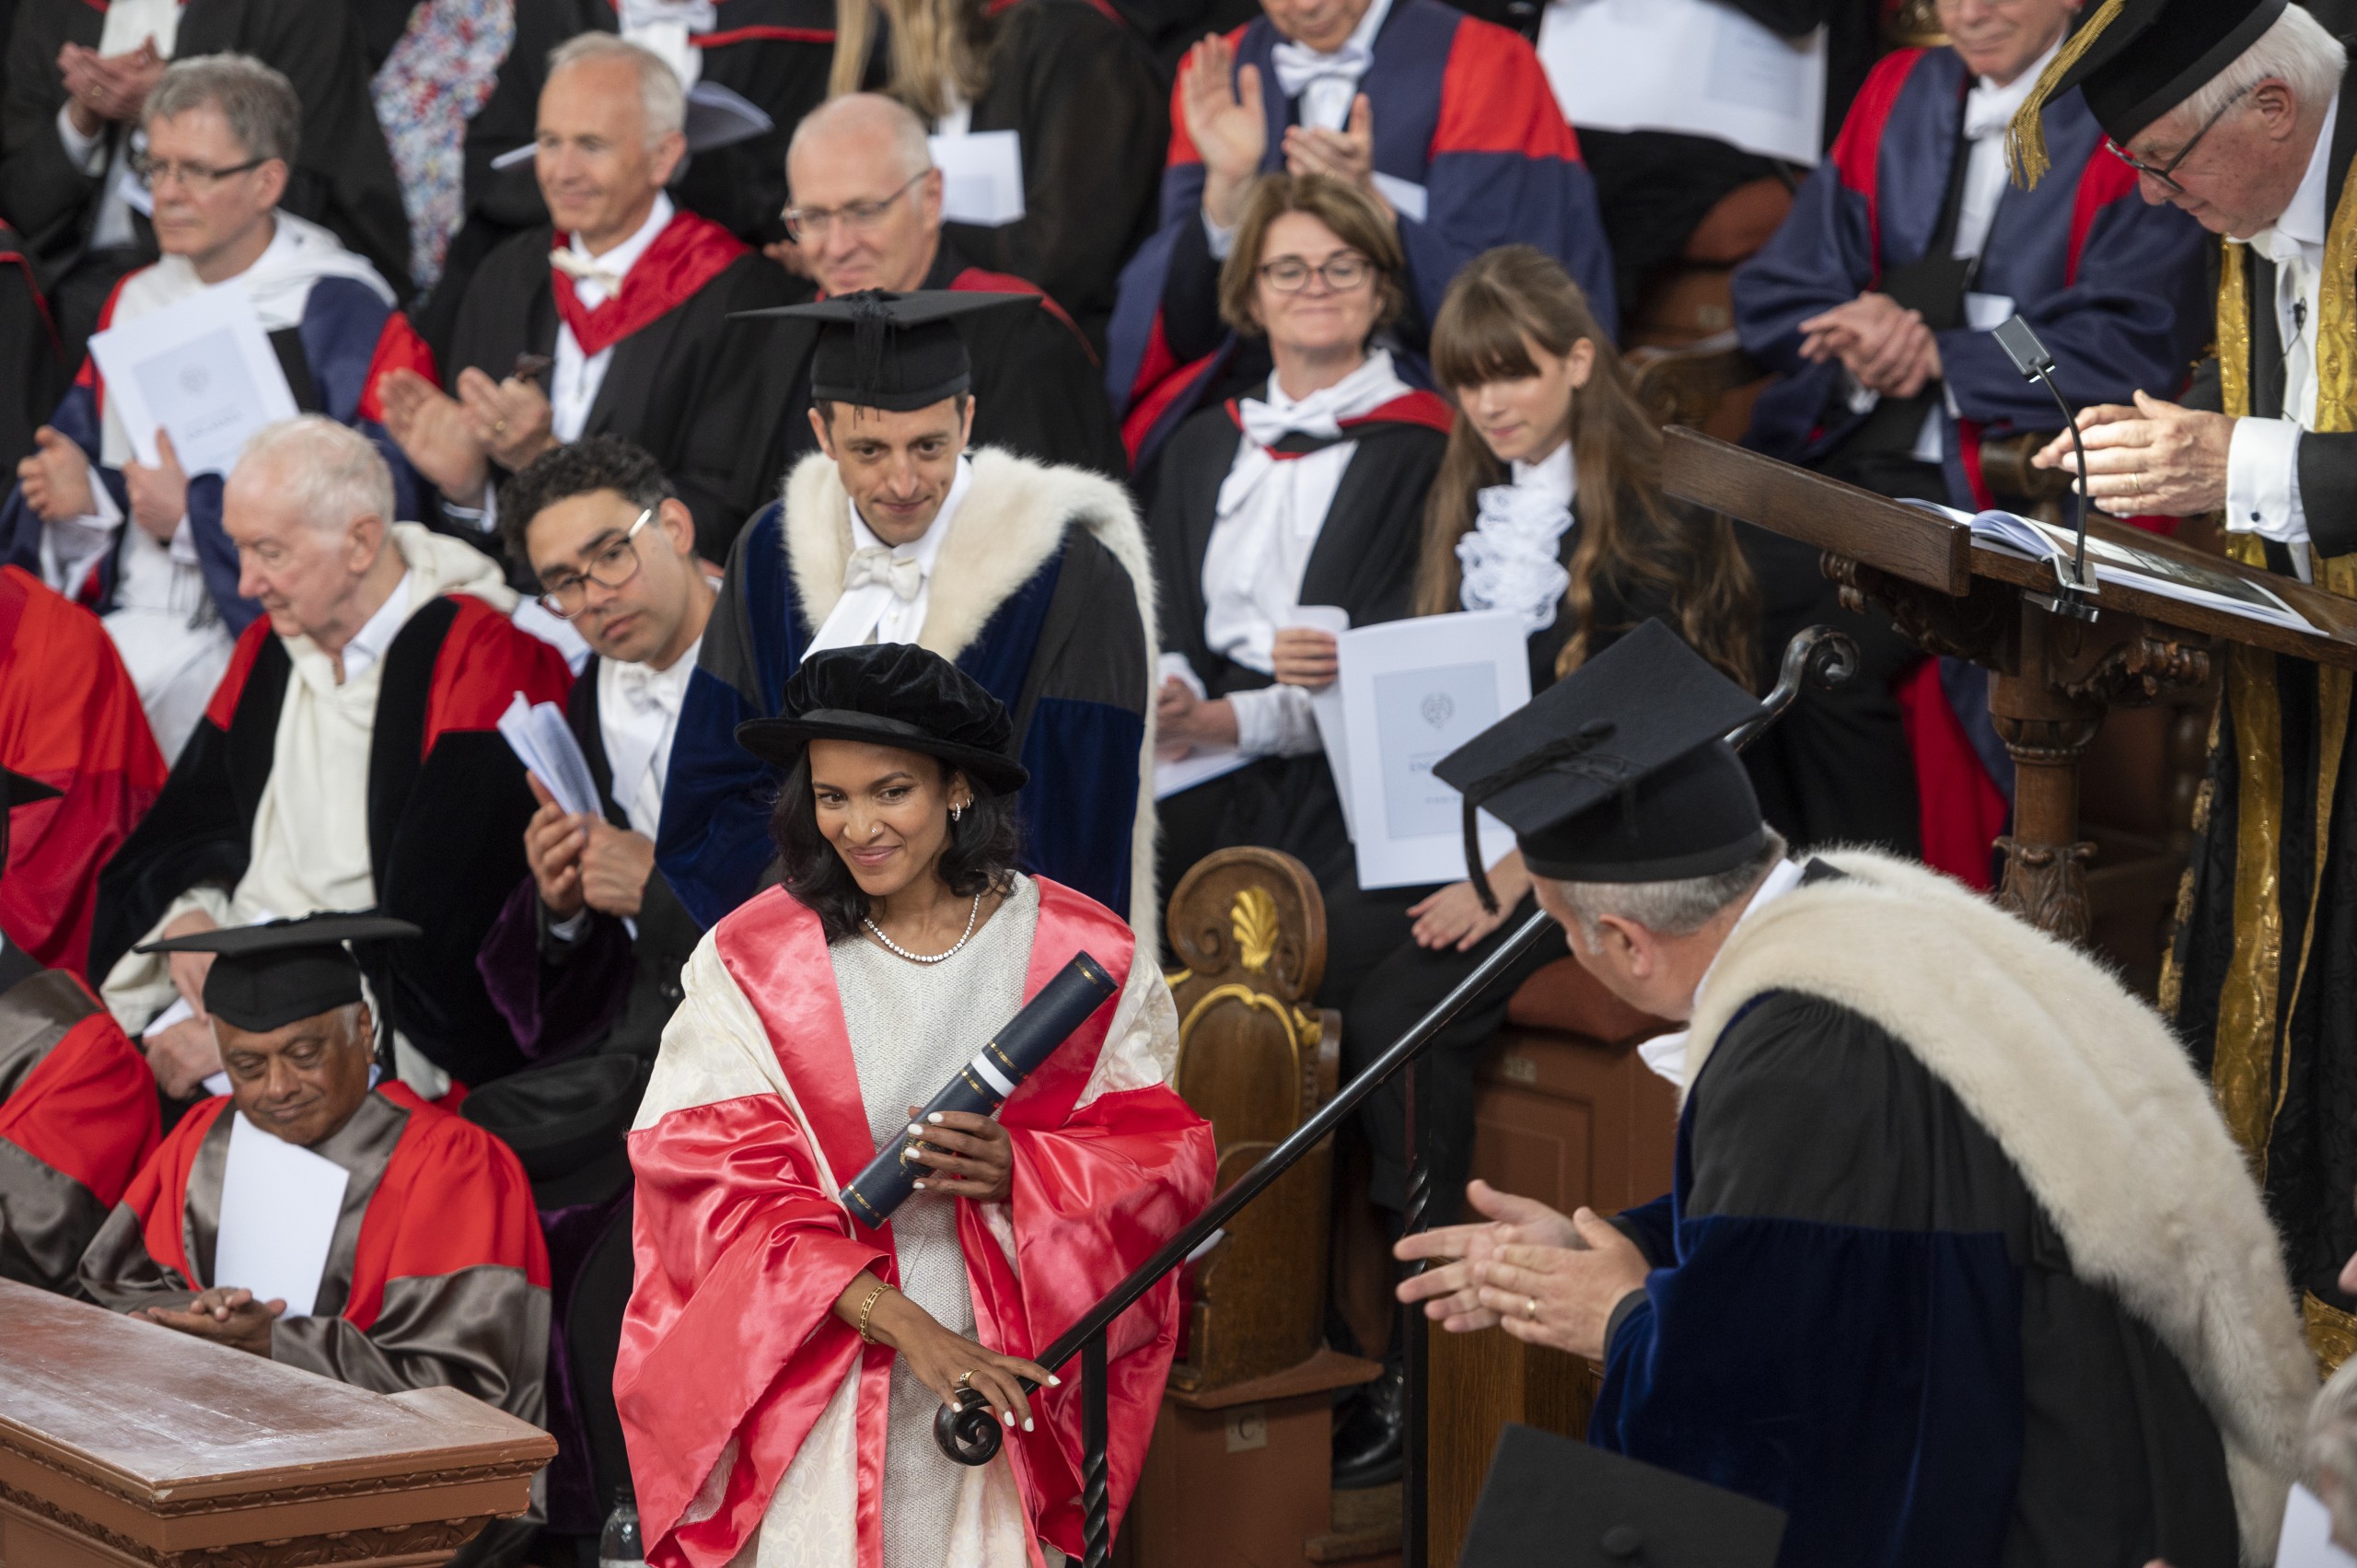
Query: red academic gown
[[78, 1118], [71, 719], [731, 1352]]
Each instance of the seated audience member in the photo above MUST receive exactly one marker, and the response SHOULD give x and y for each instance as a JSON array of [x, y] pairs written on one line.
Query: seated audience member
[[348, 759], [622, 328], [1034, 579], [75, 101], [1076, 86], [144, 543], [1960, 1265], [77, 1106], [584, 962], [783, 1363], [1873, 304], [69, 720], [1444, 122], [776, 54], [866, 215], [1308, 495], [28, 347], [436, 1276], [1550, 504]]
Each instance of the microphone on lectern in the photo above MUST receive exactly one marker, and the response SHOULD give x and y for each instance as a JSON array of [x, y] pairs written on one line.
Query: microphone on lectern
[[2030, 357]]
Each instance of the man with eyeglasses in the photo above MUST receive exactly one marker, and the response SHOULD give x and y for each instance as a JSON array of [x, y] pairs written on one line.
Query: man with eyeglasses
[[610, 318], [867, 213], [144, 545], [2237, 112], [348, 759]]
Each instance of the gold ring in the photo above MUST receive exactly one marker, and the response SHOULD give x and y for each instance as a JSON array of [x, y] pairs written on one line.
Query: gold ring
[[500, 429], [1530, 1308], [966, 1379]]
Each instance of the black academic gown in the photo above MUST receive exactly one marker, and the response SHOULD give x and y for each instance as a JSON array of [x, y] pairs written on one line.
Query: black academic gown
[[2288, 1103], [1037, 392], [1365, 562], [1070, 79], [35, 378], [343, 176], [679, 385]]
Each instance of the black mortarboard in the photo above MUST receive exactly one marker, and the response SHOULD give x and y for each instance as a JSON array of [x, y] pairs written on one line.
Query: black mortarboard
[[1619, 771], [2136, 59], [265, 977], [892, 694], [1551, 1500], [890, 350], [22, 791]]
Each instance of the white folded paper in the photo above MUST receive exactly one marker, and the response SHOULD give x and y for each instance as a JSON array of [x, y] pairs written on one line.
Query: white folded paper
[[1697, 66], [2307, 1540], [981, 176], [204, 370], [279, 1207], [544, 742], [1413, 692]]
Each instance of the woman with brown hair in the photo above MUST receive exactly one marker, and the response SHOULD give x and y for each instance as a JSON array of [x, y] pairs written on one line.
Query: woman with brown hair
[[1548, 504], [1310, 494], [1073, 83]]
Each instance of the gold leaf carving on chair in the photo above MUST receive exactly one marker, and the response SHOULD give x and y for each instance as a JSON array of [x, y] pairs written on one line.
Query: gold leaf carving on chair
[[1254, 920]]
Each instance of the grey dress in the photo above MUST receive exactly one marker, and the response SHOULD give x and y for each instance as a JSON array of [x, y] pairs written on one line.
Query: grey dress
[[911, 1026]]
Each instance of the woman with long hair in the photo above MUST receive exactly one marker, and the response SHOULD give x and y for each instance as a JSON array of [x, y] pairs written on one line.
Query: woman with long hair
[[782, 1361], [1548, 504], [1076, 86], [1309, 494]]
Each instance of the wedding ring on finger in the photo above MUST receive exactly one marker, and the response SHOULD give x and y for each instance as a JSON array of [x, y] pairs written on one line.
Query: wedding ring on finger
[[966, 1379], [1530, 1308]]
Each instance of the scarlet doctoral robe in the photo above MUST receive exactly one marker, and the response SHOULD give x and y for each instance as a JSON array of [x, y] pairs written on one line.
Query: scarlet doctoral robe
[[78, 1118], [70, 718], [437, 1277], [752, 1410]]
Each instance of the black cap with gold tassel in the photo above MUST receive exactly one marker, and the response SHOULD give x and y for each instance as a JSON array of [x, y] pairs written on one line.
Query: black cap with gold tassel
[[2136, 59]]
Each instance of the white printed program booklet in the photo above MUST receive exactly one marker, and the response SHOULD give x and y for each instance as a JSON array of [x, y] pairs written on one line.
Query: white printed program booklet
[[1412, 692], [981, 176], [279, 1207], [204, 370], [1697, 66]]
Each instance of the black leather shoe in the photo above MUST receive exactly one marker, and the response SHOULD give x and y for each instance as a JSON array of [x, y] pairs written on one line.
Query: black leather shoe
[[1370, 1431]]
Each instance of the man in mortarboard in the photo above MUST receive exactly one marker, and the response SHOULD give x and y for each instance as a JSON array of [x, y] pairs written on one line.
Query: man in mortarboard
[[610, 316], [77, 1106], [429, 1271], [1959, 1266], [2239, 111], [1033, 579], [1875, 305]]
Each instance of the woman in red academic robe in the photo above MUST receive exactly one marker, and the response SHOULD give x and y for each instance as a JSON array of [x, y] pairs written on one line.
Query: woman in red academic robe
[[781, 1364]]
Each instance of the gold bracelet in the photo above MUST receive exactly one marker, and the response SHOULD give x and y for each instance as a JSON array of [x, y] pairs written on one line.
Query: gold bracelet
[[864, 1308]]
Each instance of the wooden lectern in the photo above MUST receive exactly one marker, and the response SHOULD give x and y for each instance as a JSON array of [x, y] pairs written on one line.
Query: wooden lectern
[[2052, 679], [122, 1443]]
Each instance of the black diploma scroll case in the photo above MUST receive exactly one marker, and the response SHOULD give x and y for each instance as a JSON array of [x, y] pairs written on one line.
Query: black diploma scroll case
[[984, 1084]]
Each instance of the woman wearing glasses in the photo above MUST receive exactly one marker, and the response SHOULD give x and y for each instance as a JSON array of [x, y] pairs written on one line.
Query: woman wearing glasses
[[1311, 493]]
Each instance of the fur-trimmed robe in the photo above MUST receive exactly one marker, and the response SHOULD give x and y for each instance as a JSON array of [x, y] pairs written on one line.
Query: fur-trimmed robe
[[1042, 593], [1960, 1266]]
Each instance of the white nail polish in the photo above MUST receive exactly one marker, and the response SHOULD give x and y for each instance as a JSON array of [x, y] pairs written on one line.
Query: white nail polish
[[1010, 1420], [934, 1118], [1027, 1426], [917, 1187], [1055, 1382], [917, 1132]]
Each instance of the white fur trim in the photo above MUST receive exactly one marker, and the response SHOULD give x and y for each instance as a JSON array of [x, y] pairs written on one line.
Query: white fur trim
[[1010, 520], [2096, 1105]]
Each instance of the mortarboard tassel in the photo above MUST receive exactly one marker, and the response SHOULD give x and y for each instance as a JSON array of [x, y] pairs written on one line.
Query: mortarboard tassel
[[2025, 151], [1475, 872], [868, 328]]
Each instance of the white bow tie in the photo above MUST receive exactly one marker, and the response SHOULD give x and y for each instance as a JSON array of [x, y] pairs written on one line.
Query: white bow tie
[[904, 574], [640, 687], [1298, 66], [582, 269]]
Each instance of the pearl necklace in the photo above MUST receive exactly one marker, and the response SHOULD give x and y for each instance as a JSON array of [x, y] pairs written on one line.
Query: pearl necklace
[[877, 931]]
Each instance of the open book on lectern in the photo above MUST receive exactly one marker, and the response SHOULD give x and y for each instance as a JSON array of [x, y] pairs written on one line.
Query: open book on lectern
[[2186, 582]]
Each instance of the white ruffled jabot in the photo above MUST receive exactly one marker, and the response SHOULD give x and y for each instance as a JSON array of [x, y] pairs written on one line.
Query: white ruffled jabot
[[1512, 555]]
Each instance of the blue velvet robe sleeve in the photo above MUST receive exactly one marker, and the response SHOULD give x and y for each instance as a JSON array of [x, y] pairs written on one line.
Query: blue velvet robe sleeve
[[1837, 1335]]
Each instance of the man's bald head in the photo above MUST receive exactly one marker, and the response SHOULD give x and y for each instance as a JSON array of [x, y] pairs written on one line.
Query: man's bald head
[[866, 198]]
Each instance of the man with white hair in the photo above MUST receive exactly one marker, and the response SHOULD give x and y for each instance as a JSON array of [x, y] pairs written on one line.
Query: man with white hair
[[868, 213], [349, 759], [1958, 1266], [610, 318], [143, 543], [2237, 112]]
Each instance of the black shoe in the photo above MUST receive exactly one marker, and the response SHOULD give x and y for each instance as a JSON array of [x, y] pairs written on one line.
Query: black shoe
[[1371, 1432]]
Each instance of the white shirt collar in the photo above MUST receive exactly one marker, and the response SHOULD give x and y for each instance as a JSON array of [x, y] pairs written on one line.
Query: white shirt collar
[[925, 548], [623, 257], [368, 643], [1666, 1054], [2300, 232], [1362, 36], [1990, 109], [1555, 476]]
